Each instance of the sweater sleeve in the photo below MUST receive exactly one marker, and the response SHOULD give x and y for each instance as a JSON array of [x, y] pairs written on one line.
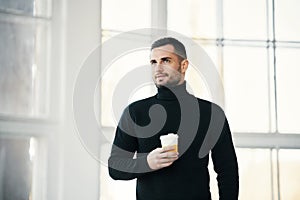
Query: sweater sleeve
[[225, 165], [122, 163]]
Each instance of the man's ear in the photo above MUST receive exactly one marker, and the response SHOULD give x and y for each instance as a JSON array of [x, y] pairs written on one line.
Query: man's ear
[[184, 65]]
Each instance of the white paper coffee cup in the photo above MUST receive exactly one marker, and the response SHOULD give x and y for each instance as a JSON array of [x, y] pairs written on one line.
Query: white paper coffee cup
[[169, 140]]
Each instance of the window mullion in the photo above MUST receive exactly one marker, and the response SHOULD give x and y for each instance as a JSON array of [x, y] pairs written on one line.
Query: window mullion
[[159, 14]]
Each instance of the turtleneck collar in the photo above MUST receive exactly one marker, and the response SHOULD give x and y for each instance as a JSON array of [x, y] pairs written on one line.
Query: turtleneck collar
[[171, 93]]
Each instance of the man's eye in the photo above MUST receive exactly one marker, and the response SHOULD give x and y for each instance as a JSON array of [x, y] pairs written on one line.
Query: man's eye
[[152, 63], [167, 61]]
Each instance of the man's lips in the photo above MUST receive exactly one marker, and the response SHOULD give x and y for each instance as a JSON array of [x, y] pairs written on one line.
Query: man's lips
[[161, 75]]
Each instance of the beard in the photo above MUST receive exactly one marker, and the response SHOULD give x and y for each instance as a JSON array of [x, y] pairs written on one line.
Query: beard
[[174, 79]]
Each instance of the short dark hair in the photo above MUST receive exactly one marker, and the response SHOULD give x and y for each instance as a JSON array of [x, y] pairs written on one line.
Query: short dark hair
[[178, 46]]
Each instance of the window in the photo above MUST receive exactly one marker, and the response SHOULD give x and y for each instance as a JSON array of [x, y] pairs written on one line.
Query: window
[[255, 163], [20, 168], [245, 20], [286, 15], [247, 66], [24, 97], [23, 69], [191, 18], [289, 179], [287, 60], [119, 16], [254, 45]]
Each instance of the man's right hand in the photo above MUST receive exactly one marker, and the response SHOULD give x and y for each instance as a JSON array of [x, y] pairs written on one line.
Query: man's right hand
[[162, 157]]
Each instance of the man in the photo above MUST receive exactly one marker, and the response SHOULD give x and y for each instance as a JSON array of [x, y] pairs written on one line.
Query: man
[[162, 173]]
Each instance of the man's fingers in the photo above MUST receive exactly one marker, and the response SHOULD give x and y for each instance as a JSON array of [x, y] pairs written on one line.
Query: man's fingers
[[168, 155], [166, 161], [161, 157], [165, 164]]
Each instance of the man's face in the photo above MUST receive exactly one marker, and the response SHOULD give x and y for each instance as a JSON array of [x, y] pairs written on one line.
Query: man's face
[[167, 70]]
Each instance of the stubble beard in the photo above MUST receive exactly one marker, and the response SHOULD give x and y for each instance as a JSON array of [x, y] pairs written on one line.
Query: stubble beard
[[173, 82]]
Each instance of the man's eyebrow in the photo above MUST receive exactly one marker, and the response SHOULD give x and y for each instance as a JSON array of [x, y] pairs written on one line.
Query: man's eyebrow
[[152, 61], [166, 58], [163, 58]]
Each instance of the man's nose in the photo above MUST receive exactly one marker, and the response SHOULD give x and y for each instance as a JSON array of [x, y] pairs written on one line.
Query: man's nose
[[159, 67]]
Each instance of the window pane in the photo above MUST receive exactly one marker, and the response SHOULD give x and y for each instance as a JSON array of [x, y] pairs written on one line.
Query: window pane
[[17, 161], [288, 90], [40, 8], [287, 20], [246, 88], [115, 190], [126, 15], [212, 52], [289, 165], [195, 79], [255, 174], [193, 18], [23, 61], [245, 19], [120, 68]]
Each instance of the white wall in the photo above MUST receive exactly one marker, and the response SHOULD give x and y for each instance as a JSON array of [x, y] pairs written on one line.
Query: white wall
[[72, 172]]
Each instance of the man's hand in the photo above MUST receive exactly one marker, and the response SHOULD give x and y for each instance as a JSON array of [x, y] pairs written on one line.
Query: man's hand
[[161, 157]]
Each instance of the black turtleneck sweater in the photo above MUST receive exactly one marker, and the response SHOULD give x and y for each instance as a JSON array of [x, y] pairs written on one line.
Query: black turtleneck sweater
[[199, 124]]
